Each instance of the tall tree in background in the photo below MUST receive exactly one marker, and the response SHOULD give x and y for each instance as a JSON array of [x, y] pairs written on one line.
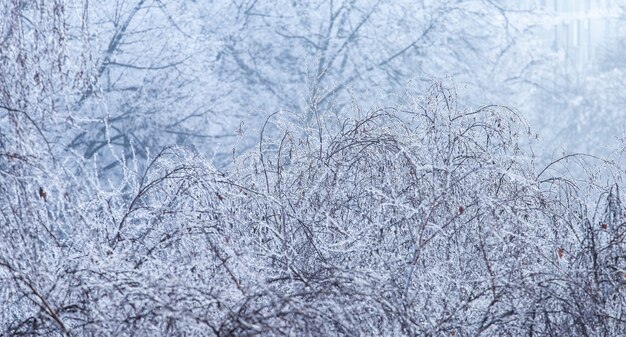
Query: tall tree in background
[[314, 56], [149, 85], [166, 72]]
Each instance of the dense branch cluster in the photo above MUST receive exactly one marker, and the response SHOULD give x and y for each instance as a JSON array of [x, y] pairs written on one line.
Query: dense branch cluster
[[421, 219]]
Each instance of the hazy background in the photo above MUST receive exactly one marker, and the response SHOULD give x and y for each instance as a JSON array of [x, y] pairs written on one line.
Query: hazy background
[[139, 75], [580, 104], [209, 73]]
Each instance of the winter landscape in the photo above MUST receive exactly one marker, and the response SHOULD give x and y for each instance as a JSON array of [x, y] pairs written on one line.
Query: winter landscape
[[312, 168]]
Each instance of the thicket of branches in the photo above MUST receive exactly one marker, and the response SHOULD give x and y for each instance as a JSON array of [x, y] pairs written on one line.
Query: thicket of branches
[[423, 219]]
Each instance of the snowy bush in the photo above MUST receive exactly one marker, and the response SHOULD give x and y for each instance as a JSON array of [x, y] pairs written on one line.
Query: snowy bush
[[421, 219]]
